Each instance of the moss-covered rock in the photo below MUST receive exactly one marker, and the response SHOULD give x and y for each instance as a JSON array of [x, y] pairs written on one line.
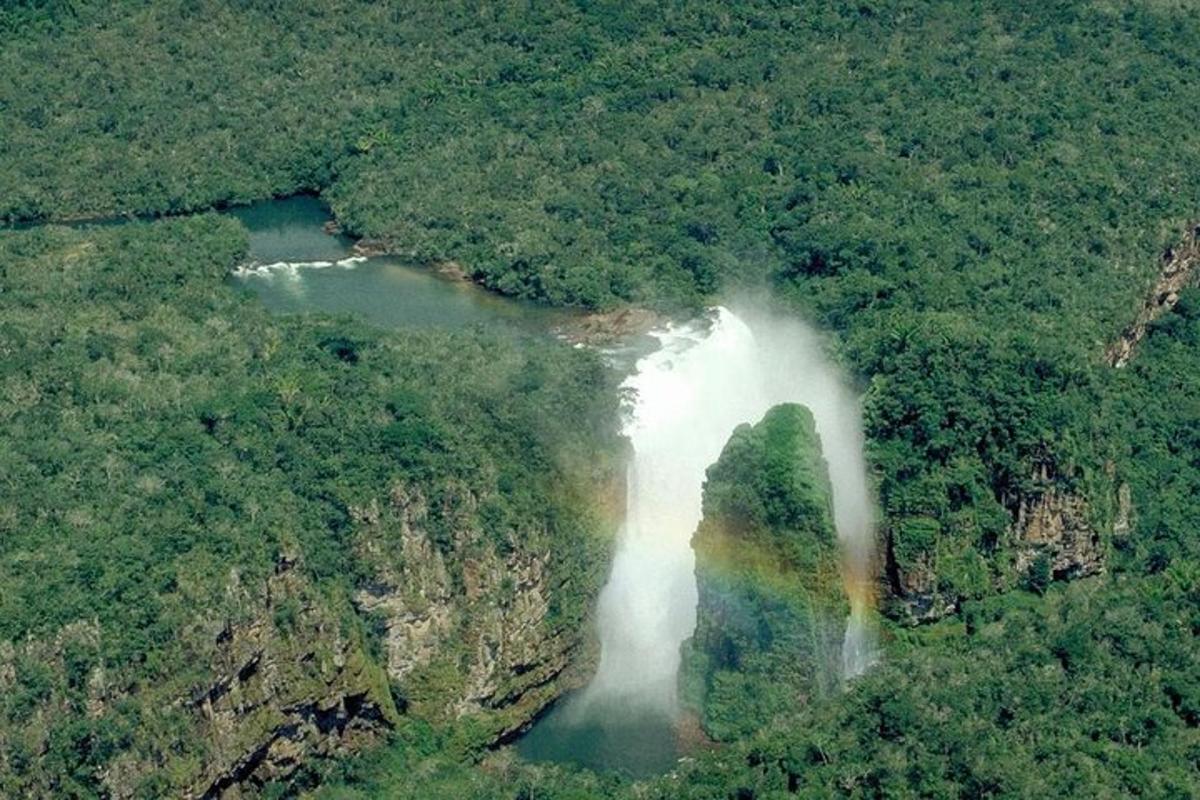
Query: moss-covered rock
[[772, 606]]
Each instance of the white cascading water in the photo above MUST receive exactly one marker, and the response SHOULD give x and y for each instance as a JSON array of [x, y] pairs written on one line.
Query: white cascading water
[[689, 395]]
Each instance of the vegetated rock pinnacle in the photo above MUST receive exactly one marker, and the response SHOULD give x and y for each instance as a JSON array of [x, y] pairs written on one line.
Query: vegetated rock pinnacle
[[771, 600]]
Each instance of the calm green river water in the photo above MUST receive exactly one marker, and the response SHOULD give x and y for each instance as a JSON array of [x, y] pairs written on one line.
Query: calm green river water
[[604, 736], [303, 268]]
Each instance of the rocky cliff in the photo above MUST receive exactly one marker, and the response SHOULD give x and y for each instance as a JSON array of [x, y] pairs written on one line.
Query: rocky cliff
[[1057, 529], [1178, 271], [481, 632], [772, 606], [293, 682], [280, 675], [469, 632]]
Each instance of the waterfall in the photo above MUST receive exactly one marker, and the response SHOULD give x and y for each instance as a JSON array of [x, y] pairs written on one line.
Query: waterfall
[[705, 379], [688, 396]]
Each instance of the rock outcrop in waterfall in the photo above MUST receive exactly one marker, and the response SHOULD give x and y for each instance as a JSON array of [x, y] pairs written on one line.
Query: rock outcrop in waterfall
[[772, 603]]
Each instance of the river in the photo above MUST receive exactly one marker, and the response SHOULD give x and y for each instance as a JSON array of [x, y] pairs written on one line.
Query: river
[[295, 266]]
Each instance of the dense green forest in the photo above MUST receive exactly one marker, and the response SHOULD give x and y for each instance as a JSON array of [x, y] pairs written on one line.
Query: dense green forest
[[168, 449], [978, 191], [972, 198]]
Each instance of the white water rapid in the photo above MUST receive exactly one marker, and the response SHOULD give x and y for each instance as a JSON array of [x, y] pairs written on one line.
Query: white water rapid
[[689, 395]]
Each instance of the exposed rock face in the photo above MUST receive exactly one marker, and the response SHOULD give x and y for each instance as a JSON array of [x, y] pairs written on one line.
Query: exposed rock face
[[284, 673], [914, 596], [290, 686], [1049, 522], [1056, 524], [772, 606], [472, 628], [606, 327], [452, 270], [277, 680], [370, 247], [1178, 271], [478, 635]]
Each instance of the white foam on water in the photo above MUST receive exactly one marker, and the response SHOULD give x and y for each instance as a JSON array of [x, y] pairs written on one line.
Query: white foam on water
[[291, 269]]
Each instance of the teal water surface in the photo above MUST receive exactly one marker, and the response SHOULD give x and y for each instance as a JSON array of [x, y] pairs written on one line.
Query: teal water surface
[[384, 290], [604, 735]]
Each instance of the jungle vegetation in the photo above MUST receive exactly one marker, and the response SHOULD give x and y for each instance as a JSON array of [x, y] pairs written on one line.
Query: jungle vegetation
[[164, 440], [972, 198], [772, 608]]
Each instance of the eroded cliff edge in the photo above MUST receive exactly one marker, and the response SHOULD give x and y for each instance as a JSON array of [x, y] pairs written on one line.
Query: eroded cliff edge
[[479, 631], [473, 634]]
